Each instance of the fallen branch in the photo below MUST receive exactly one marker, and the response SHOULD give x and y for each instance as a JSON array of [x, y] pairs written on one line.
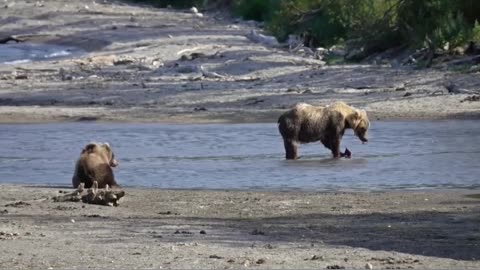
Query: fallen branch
[[9, 38], [93, 195]]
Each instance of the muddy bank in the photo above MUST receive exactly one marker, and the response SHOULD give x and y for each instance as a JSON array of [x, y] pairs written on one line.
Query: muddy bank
[[238, 229], [160, 65]]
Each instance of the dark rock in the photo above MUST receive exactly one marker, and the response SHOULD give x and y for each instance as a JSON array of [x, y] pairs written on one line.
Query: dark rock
[[257, 232], [471, 98], [182, 232], [215, 257], [203, 232], [268, 246], [200, 109], [335, 266], [407, 94], [260, 261], [21, 77], [87, 118], [17, 204]]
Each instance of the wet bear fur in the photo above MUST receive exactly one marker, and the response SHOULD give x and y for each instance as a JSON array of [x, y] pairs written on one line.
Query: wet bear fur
[[305, 123], [96, 163]]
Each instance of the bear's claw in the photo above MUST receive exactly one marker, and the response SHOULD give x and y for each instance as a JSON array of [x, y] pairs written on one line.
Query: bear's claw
[[346, 154]]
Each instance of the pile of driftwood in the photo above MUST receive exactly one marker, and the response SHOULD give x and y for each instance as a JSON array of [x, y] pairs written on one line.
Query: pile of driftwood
[[94, 195]]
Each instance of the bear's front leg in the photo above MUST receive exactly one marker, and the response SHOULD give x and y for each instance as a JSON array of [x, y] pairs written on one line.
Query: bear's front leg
[[290, 149], [335, 147]]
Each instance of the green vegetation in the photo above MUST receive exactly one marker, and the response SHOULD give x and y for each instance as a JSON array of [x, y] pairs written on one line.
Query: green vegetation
[[364, 26]]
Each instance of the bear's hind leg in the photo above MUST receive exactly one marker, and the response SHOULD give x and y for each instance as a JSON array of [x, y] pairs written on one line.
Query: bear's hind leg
[[290, 149]]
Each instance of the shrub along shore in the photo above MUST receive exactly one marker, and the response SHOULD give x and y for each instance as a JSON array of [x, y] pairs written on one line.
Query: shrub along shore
[[425, 29]]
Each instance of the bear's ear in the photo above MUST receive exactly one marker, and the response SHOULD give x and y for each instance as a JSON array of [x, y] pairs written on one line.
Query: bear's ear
[[89, 148]]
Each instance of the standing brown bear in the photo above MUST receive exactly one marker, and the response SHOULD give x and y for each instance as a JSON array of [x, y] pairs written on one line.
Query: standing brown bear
[[95, 164], [305, 123]]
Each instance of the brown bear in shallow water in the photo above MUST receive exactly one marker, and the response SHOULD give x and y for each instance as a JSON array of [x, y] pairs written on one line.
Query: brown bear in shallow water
[[305, 123], [95, 164]]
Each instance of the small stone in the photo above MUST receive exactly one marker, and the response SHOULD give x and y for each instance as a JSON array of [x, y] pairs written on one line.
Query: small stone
[[260, 261], [368, 266], [203, 232], [246, 263], [231, 261], [215, 257], [258, 232], [42, 235], [194, 10], [28, 233], [407, 94], [336, 266], [15, 234], [72, 220]]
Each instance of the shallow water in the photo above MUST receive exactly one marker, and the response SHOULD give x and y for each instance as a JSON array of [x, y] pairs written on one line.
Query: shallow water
[[439, 154], [14, 53]]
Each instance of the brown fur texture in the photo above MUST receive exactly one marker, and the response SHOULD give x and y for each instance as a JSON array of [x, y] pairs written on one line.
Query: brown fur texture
[[305, 123], [95, 164]]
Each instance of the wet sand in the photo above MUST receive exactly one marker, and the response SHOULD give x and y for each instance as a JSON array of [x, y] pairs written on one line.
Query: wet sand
[[241, 229]]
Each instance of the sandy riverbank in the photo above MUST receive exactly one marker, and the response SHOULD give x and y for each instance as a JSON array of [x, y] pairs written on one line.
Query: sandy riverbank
[[238, 229], [159, 65]]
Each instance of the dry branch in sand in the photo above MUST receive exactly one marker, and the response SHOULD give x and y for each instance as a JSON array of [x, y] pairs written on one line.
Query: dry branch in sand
[[93, 195]]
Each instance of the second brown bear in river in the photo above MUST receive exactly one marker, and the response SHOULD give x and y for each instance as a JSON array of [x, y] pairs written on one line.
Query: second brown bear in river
[[305, 123]]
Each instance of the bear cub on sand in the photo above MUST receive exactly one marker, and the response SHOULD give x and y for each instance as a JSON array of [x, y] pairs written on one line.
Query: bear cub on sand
[[95, 164], [305, 123]]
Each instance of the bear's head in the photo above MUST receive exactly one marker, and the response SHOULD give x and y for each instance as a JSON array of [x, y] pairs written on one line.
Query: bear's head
[[102, 149], [360, 124]]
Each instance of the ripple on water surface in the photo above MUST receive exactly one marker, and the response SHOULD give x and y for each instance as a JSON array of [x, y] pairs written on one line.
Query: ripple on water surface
[[242, 156]]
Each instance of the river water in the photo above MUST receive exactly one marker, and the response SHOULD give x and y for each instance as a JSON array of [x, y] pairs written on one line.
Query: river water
[[16, 53], [399, 155]]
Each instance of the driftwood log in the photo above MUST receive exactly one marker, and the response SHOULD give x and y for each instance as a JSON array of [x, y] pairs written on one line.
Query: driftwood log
[[94, 195]]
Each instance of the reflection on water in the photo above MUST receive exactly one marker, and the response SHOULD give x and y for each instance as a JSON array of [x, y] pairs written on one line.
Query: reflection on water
[[225, 156]]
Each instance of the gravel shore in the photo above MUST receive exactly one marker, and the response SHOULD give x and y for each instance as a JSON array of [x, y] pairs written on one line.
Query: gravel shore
[[238, 229]]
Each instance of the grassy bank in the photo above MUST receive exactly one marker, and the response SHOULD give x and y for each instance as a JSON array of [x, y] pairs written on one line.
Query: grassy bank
[[362, 27]]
